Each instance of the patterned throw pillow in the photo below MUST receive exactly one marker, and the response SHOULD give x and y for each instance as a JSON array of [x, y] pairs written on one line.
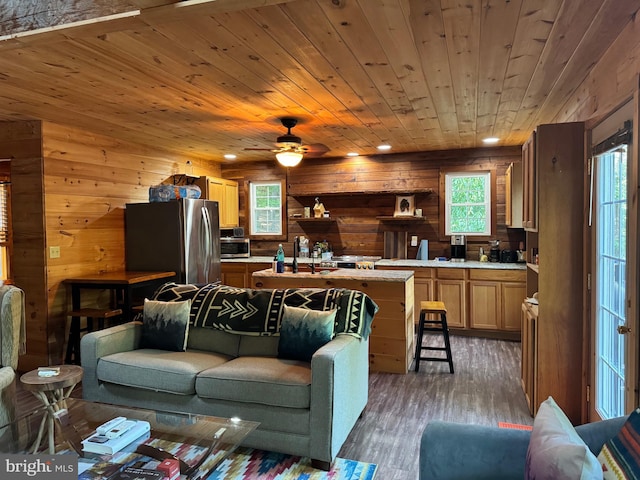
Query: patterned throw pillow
[[165, 325], [620, 456], [556, 451], [304, 331]]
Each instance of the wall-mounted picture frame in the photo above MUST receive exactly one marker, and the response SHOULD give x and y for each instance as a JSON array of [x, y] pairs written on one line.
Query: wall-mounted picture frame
[[405, 205]]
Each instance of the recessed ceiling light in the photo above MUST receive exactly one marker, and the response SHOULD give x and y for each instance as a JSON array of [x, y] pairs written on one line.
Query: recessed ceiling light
[[384, 147], [230, 156], [352, 154], [490, 140]]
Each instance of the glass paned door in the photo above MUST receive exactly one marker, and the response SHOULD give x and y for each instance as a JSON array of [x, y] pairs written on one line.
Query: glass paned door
[[610, 279]]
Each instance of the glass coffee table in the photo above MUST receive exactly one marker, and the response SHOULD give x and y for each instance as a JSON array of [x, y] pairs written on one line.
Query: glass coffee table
[[195, 444]]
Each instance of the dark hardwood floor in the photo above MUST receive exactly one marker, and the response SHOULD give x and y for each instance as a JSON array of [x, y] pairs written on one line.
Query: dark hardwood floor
[[485, 389]]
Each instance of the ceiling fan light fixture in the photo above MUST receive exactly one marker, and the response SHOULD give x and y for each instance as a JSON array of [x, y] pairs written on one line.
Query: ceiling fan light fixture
[[288, 159]]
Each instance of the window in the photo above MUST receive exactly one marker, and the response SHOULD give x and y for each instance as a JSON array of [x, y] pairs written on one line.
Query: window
[[468, 203], [267, 209], [5, 228]]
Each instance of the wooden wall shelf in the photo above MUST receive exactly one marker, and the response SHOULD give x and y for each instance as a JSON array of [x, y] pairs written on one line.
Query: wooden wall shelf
[[303, 219], [407, 218]]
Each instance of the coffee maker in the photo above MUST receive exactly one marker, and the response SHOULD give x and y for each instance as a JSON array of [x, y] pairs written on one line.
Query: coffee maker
[[458, 248]]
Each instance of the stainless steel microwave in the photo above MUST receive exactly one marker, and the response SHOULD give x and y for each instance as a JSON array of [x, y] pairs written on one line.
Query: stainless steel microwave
[[233, 247]]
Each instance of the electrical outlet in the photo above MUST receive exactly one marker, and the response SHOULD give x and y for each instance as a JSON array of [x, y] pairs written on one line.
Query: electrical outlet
[[414, 240], [54, 252]]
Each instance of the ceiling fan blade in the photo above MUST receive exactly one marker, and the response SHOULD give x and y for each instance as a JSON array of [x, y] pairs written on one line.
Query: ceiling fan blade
[[315, 149]]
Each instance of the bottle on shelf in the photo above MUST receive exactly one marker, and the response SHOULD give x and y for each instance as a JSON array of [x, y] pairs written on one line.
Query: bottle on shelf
[[296, 249], [280, 259]]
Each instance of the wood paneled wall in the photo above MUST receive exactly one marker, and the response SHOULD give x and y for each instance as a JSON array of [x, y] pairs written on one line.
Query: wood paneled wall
[[377, 180], [70, 188]]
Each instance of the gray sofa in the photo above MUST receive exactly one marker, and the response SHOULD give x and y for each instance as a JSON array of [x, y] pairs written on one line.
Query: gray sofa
[[305, 409], [453, 451]]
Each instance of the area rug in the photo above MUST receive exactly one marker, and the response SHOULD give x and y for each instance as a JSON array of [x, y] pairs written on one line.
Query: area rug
[[250, 464], [515, 426]]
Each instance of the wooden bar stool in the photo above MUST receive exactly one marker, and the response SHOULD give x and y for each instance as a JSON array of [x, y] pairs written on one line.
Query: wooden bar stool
[[91, 314], [428, 325]]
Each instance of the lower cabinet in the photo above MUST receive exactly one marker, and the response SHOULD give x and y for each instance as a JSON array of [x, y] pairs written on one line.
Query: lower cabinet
[[528, 366], [238, 274], [495, 299], [451, 288], [479, 301]]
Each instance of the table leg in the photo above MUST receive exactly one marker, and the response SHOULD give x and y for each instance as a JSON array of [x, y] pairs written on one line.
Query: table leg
[[128, 298], [53, 401], [36, 444]]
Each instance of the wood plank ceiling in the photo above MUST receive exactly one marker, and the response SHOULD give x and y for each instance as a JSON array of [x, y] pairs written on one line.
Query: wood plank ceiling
[[209, 77]]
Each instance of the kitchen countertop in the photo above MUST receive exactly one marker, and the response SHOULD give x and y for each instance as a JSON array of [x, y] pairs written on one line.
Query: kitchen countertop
[[408, 263], [342, 274]]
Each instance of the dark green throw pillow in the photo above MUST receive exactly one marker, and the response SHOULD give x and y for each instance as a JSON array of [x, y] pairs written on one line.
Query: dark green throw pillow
[[165, 325], [304, 331]]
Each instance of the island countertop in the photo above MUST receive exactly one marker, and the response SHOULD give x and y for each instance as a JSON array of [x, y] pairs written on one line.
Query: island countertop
[[404, 263], [342, 274]]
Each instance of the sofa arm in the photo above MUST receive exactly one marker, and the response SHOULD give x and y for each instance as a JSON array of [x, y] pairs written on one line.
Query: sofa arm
[[339, 393], [595, 434], [457, 451], [94, 345]]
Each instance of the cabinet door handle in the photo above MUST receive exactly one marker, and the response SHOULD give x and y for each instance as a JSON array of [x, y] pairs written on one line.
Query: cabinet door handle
[[258, 284], [365, 284]]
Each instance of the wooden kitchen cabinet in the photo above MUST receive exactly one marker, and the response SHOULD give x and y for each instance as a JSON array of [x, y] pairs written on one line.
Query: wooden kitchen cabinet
[[238, 274], [451, 288], [558, 367], [528, 327], [226, 193], [495, 298], [529, 185], [513, 196]]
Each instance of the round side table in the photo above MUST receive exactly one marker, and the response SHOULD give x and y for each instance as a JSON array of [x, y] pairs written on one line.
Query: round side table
[[52, 392]]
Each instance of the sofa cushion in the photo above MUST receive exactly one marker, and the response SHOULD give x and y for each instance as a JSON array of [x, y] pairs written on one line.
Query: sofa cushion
[[165, 325], [158, 370], [210, 340], [620, 456], [556, 451], [266, 381], [251, 346], [304, 331]]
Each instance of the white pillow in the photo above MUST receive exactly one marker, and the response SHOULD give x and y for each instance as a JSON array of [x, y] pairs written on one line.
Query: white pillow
[[556, 451]]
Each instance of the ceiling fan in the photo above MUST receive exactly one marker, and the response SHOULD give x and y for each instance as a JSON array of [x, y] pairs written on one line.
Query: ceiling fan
[[290, 149]]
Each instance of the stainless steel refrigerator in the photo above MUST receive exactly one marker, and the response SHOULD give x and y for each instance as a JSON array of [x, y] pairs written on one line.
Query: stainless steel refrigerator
[[181, 236]]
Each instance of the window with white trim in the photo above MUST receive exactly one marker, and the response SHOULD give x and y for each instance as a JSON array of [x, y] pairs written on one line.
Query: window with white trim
[[468, 203], [267, 207]]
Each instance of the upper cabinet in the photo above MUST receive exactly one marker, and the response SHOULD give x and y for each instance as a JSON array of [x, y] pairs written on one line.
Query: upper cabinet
[[226, 193], [513, 196], [530, 187]]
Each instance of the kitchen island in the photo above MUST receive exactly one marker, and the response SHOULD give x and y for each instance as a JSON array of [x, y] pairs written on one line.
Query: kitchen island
[[391, 344]]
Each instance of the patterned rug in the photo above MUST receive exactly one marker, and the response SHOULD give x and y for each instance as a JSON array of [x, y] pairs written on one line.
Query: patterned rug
[[249, 464]]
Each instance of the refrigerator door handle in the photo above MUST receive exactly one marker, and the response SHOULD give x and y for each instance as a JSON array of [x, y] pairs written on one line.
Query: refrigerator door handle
[[206, 241]]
